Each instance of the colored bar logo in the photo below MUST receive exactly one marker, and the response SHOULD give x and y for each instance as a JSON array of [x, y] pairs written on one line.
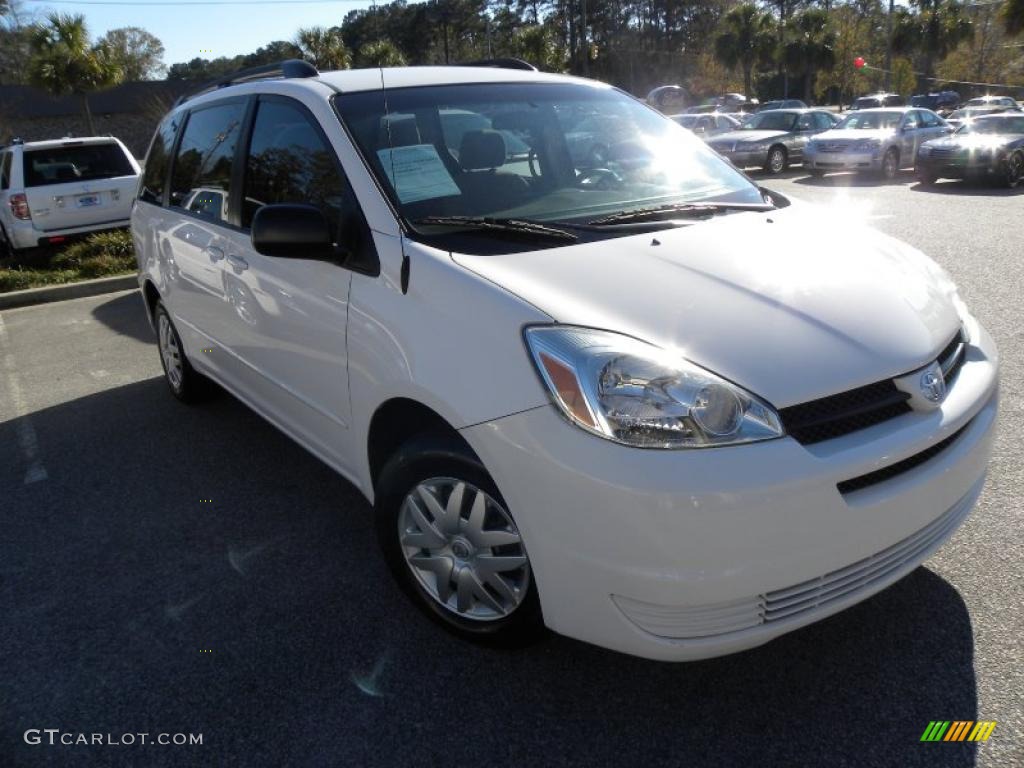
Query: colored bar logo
[[958, 730]]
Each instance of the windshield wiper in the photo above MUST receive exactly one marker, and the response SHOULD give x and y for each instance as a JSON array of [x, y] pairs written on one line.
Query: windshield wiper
[[514, 227], [677, 211]]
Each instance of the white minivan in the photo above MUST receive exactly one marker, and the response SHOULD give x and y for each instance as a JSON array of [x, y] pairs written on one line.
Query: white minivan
[[53, 190], [630, 397]]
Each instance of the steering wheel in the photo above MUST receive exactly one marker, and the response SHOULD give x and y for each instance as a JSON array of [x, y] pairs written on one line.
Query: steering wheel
[[598, 178]]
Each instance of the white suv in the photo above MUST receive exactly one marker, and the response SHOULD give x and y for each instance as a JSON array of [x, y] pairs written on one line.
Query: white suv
[[53, 190], [634, 398]]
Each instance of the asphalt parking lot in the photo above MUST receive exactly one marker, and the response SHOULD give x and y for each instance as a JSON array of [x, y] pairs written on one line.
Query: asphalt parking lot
[[265, 620]]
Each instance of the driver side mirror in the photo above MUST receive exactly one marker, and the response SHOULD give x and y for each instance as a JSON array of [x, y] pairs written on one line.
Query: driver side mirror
[[293, 231]]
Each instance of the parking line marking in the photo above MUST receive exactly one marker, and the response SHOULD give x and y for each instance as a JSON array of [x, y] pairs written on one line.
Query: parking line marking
[[27, 438]]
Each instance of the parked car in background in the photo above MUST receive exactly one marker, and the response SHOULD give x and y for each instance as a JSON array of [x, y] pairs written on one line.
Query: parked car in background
[[966, 114], [772, 140], [874, 140], [53, 190], [992, 101], [941, 103], [707, 126], [876, 100], [989, 147], [768, 106], [667, 98]]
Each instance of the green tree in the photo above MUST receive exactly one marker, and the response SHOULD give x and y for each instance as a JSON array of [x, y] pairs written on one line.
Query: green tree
[[932, 29], [746, 39], [903, 78], [538, 44], [64, 62], [324, 48], [380, 53], [137, 52], [811, 47], [1013, 16]]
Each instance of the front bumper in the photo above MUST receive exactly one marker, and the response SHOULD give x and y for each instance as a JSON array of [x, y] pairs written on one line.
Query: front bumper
[[843, 161], [678, 555], [956, 168], [745, 158]]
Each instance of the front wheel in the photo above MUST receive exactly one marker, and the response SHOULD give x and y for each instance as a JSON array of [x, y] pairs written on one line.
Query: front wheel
[[890, 164], [776, 162], [453, 545], [1013, 170]]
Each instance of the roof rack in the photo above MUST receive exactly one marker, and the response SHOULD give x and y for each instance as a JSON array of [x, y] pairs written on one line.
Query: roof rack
[[503, 63], [287, 69]]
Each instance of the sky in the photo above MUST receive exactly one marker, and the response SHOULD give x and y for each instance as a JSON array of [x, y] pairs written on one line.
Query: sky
[[207, 31]]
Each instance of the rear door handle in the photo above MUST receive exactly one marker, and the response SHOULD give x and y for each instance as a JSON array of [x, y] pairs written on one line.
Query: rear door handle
[[237, 262], [215, 253]]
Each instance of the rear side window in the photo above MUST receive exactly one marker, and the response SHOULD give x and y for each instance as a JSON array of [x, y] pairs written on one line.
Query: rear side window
[[154, 178], [81, 162], [5, 170], [290, 162], [201, 180]]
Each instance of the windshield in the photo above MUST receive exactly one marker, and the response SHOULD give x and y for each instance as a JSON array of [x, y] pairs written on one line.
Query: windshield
[[871, 121], [535, 151], [928, 102], [770, 121], [687, 121], [994, 125], [866, 103]]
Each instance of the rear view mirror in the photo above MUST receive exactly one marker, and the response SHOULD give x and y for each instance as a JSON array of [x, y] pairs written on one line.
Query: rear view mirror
[[293, 231]]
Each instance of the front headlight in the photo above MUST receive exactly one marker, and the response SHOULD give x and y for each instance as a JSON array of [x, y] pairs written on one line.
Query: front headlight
[[640, 395]]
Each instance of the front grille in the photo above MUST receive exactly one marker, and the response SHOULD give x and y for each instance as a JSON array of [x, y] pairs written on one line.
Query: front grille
[[833, 146], [953, 357], [946, 153], [894, 470], [838, 415]]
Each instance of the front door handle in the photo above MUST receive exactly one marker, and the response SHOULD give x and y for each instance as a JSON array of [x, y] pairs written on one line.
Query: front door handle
[[237, 263], [215, 253]]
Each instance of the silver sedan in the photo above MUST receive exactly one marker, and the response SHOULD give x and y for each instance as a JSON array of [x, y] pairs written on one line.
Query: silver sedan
[[874, 140]]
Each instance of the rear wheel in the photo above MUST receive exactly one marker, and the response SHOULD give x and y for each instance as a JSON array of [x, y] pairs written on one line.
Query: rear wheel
[[185, 384], [453, 545], [777, 160], [926, 179], [817, 173], [890, 164], [1013, 169], [6, 246]]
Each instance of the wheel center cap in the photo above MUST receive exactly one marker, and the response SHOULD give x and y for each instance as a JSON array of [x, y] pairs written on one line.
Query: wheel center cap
[[461, 549]]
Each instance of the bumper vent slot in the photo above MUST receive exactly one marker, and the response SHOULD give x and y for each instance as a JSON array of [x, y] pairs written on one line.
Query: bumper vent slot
[[894, 470]]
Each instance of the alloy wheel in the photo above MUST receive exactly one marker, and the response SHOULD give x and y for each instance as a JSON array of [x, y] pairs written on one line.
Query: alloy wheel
[[170, 352], [464, 549], [776, 160]]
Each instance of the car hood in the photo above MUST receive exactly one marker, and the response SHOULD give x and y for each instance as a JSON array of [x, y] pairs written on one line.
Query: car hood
[[748, 137], [793, 304], [844, 134]]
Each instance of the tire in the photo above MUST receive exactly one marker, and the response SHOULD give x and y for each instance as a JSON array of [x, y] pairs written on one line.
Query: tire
[[890, 164], [817, 173], [421, 513], [185, 384], [926, 179], [777, 160], [1013, 169]]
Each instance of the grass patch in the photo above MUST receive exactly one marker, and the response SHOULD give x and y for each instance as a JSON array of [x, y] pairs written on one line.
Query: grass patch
[[100, 255]]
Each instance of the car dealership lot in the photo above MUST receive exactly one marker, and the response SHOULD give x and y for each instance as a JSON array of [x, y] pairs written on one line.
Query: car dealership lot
[[166, 569]]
